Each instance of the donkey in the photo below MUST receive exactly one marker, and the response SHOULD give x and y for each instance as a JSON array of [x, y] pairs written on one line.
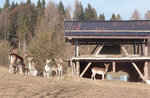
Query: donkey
[[16, 63]]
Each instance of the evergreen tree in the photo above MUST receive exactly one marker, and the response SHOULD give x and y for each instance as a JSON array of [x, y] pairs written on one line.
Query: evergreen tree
[[61, 10], [13, 5], [101, 17], [7, 4], [113, 17], [118, 17], [39, 6], [67, 14], [28, 1], [0, 10], [43, 4], [78, 12], [90, 13]]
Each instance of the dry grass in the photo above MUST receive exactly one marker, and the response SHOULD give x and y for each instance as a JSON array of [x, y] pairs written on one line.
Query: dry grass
[[18, 86]]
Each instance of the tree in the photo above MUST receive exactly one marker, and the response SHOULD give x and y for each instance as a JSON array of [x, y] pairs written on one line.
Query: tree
[[4, 24], [28, 1], [90, 13], [67, 14], [78, 12], [118, 17], [113, 17], [13, 5], [39, 6], [135, 15], [5, 49], [102, 17], [7, 4], [61, 10], [43, 6], [44, 44], [147, 15]]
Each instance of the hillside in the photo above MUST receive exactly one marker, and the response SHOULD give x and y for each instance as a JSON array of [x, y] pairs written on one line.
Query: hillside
[[18, 86]]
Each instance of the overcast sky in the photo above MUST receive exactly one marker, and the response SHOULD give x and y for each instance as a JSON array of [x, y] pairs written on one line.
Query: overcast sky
[[124, 7]]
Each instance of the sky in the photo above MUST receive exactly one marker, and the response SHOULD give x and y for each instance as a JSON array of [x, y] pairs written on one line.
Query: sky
[[124, 7]]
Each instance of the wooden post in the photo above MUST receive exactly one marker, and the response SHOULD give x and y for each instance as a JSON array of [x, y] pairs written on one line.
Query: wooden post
[[77, 48], [134, 47], [78, 68], [138, 48], [139, 72], [146, 70], [71, 67], [142, 53], [114, 66], [91, 62], [146, 63]]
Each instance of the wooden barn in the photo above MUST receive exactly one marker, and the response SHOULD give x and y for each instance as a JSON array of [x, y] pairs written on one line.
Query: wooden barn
[[109, 39]]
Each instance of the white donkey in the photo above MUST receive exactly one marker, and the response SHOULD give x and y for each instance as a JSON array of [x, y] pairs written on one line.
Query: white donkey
[[47, 69], [32, 65]]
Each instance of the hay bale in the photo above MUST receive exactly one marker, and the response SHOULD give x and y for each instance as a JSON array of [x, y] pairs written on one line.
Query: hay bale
[[117, 76]]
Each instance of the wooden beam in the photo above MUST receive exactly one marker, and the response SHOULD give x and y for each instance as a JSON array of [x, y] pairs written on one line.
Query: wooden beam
[[94, 49], [114, 66], [91, 62], [124, 50], [139, 72], [85, 69], [98, 51]]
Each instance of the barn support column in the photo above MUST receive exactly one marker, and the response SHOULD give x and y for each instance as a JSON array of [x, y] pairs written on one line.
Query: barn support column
[[114, 66], [146, 63], [142, 53], [78, 68], [134, 47], [88, 65], [77, 54]]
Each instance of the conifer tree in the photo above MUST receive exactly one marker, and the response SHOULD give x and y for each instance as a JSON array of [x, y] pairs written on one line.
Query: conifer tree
[[13, 5], [79, 11], [90, 13], [101, 17], [113, 17], [118, 17], [7, 4], [67, 14], [28, 1]]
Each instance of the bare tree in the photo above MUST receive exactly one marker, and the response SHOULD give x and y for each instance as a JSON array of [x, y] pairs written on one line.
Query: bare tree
[[147, 15], [135, 15]]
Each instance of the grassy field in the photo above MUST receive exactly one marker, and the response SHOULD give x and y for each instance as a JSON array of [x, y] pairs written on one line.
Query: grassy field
[[18, 86]]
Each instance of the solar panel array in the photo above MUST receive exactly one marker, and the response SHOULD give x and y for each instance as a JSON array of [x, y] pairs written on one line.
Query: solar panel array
[[84, 28]]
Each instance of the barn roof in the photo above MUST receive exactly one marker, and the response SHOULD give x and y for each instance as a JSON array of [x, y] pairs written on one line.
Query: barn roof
[[107, 28]]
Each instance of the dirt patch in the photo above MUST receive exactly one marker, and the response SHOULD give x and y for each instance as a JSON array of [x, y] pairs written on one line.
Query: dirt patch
[[18, 86]]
